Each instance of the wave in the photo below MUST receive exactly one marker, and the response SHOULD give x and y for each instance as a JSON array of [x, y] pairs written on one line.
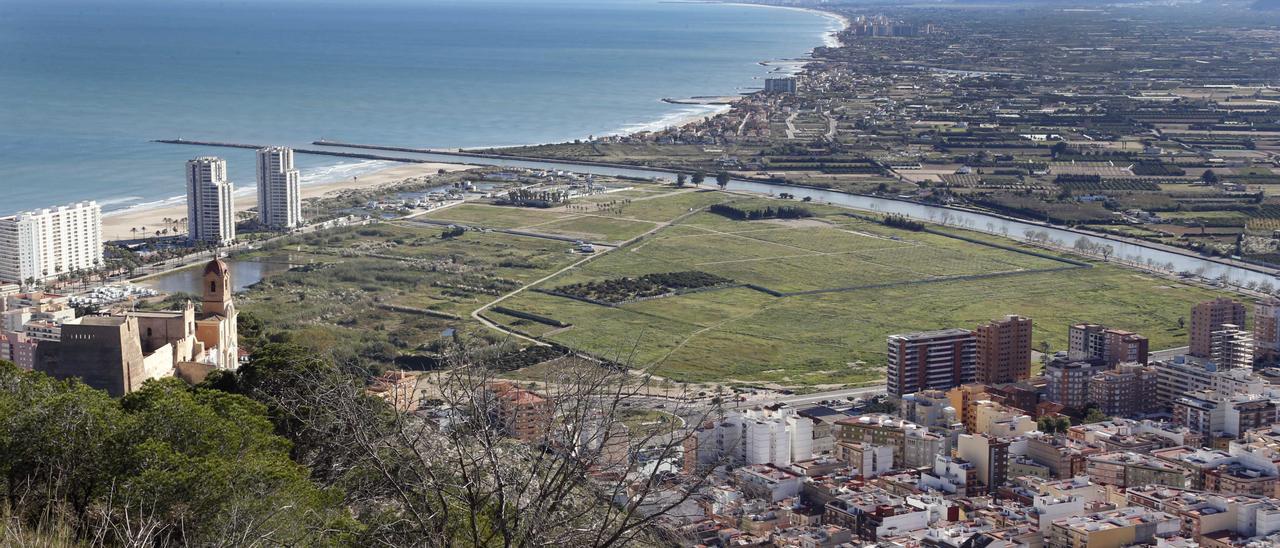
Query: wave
[[340, 171], [310, 176], [114, 204], [677, 118], [170, 201]]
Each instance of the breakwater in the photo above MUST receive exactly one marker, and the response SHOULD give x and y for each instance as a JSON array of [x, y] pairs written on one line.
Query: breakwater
[[337, 153]]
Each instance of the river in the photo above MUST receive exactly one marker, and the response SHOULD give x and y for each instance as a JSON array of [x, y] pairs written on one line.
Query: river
[[1136, 254], [1121, 250]]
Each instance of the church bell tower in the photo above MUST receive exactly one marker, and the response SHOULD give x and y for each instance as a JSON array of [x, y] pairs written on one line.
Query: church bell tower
[[217, 288]]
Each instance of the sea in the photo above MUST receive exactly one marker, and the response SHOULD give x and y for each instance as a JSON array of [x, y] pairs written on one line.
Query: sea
[[85, 85]]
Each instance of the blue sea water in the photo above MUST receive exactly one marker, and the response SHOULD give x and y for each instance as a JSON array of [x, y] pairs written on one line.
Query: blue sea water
[[85, 84]]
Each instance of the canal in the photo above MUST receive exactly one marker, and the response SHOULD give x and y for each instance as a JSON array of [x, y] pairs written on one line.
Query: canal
[[1127, 251]]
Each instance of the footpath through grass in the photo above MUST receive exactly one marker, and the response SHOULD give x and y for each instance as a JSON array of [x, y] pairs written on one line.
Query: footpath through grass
[[867, 282], [809, 302]]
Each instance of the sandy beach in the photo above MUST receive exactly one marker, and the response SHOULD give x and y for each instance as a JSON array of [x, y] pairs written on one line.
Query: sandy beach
[[118, 225]]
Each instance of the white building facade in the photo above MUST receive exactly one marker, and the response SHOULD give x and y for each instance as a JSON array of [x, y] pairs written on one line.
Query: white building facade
[[279, 199], [776, 436], [210, 204], [43, 244]]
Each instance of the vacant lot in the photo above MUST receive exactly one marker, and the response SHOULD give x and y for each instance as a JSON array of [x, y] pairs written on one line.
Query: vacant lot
[[586, 222], [810, 303], [846, 283], [386, 294]]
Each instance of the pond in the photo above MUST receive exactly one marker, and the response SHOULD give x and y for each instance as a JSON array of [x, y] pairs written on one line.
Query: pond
[[243, 275]]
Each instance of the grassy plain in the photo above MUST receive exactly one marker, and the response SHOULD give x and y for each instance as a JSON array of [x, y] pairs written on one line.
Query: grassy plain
[[845, 283], [851, 283], [358, 289]]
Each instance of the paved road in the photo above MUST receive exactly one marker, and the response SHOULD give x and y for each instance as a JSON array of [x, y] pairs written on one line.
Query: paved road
[[796, 400], [1167, 353]]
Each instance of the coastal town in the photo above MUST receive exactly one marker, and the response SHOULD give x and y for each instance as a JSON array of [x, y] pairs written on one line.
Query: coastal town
[[964, 277]]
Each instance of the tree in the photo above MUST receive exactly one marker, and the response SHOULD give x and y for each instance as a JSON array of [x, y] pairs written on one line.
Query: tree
[[1059, 148], [1209, 177], [681, 179], [209, 466], [722, 179], [1046, 424], [1063, 423], [251, 330], [1094, 415], [698, 178], [166, 465], [466, 483]]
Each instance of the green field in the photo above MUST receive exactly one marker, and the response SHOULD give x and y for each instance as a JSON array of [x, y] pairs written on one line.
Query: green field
[[593, 225], [496, 216], [812, 301], [338, 302], [849, 282]]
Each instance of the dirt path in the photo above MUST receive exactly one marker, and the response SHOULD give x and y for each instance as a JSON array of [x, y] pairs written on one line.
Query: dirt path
[[477, 314]]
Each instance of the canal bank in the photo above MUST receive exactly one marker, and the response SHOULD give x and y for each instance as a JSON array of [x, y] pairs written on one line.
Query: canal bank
[[1138, 253]]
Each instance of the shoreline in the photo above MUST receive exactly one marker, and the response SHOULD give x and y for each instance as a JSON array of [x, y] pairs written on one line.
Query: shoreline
[[117, 224], [830, 39], [832, 36]]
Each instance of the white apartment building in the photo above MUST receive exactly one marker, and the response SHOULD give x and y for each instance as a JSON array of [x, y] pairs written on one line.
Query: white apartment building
[[279, 200], [210, 205], [769, 435], [1183, 374], [949, 475], [1180, 375], [43, 244]]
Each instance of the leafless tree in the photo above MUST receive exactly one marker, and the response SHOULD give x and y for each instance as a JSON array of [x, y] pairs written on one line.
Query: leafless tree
[[455, 474]]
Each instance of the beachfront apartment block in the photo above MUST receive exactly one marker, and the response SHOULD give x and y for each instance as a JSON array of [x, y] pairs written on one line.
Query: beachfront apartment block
[[46, 243], [780, 85], [279, 199], [210, 204]]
